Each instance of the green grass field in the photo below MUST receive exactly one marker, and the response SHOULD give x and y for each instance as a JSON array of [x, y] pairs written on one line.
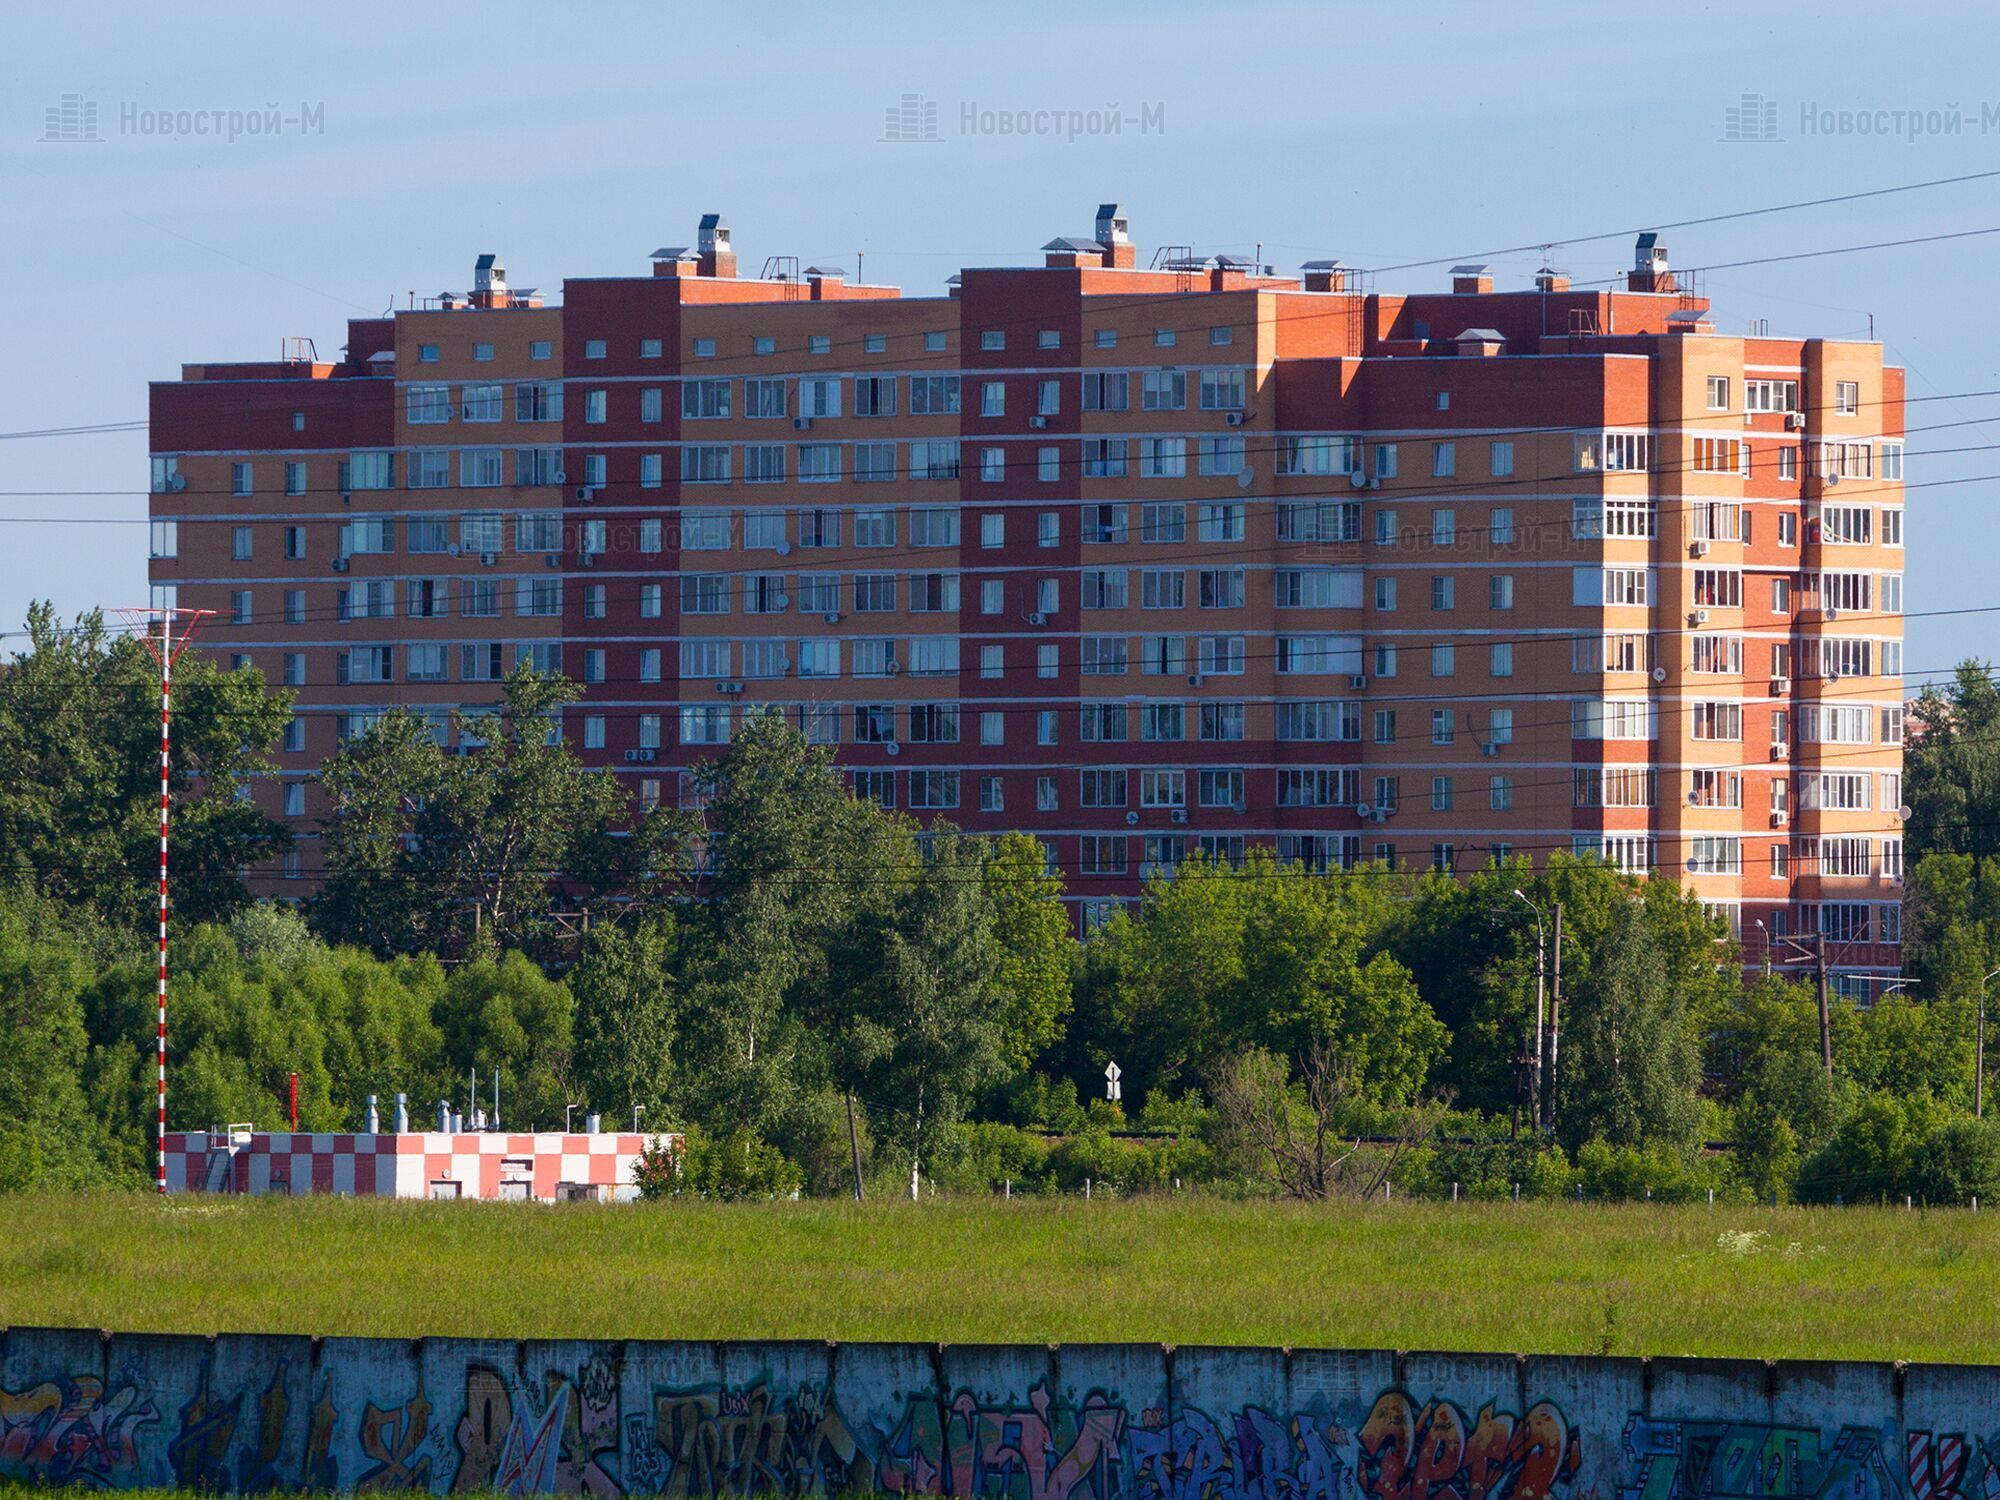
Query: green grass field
[[1558, 1278]]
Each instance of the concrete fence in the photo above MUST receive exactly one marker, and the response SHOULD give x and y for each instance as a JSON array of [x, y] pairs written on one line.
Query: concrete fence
[[1023, 1422]]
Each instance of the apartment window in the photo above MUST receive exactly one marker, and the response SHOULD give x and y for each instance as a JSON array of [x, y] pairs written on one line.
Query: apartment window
[[1444, 460], [992, 596], [1846, 397], [1106, 390], [1163, 338], [1444, 592], [239, 607], [1221, 721], [1385, 594], [1220, 521], [1503, 460], [427, 354], [1444, 660], [1718, 393], [1441, 794], [295, 606], [1219, 455], [1444, 527], [1106, 338], [1500, 526], [240, 543], [1221, 390], [1048, 465], [1048, 528], [1385, 528], [1162, 588], [1500, 659]]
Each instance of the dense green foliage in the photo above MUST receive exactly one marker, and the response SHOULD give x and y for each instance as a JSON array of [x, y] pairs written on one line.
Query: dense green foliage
[[828, 998]]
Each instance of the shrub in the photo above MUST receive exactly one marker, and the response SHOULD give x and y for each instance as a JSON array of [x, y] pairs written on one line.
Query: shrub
[[1957, 1162], [741, 1164], [983, 1157]]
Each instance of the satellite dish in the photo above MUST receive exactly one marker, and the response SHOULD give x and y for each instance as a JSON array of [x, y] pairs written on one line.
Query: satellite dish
[[1659, 674], [1245, 478], [1905, 812]]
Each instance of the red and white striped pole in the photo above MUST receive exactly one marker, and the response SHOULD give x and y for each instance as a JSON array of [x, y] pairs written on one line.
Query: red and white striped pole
[[164, 649]]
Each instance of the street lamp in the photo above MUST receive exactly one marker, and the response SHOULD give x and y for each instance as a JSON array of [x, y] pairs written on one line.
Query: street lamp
[[1541, 974], [1764, 941]]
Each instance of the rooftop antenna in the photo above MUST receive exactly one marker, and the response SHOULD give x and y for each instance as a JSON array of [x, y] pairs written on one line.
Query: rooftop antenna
[[145, 621]]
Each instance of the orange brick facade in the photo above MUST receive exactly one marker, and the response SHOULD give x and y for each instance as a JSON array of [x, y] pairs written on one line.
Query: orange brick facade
[[1144, 561]]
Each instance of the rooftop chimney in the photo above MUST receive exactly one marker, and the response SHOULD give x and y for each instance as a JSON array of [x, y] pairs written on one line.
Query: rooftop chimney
[[1649, 271], [1324, 276], [1480, 343], [820, 279], [1472, 279], [489, 282], [1112, 235], [1549, 280], [712, 246]]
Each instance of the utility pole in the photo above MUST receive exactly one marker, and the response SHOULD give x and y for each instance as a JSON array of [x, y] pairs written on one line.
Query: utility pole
[[165, 650], [1979, 1054], [1535, 1085], [854, 1149], [1825, 1010], [1555, 1005]]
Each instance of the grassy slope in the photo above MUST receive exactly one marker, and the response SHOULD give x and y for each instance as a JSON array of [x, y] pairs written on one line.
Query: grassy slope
[[1857, 1283]]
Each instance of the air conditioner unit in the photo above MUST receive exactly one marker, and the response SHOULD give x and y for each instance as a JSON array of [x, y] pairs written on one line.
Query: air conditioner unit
[[1832, 480], [451, 549], [729, 687], [488, 559], [1038, 618], [1832, 612], [1796, 420], [177, 483], [340, 565], [1779, 819], [1490, 749], [783, 549], [1780, 686], [1178, 815], [640, 756], [802, 424], [1697, 549], [552, 561], [1234, 419], [1038, 422], [1699, 617], [890, 747], [1132, 819], [831, 617], [891, 669], [1748, 420], [1357, 682], [1195, 680], [585, 493], [1781, 751]]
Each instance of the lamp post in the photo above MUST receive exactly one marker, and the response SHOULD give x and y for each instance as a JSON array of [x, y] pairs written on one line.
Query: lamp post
[[1541, 977]]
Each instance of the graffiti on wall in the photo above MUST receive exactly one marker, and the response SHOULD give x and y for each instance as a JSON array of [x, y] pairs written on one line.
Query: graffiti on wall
[[74, 1430], [592, 1425]]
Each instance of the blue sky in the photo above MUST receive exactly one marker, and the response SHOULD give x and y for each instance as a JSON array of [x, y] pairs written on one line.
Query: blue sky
[[575, 139]]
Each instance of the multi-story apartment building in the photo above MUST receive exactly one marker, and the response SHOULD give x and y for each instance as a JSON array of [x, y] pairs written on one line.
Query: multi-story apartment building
[[1145, 561]]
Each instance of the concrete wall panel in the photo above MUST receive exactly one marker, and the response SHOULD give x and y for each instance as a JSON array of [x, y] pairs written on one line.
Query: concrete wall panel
[[979, 1422]]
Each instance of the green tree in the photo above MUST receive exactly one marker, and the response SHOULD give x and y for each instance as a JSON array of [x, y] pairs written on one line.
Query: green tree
[[1951, 769], [80, 803], [1631, 1057], [505, 1014], [1036, 954], [429, 852], [628, 1009], [789, 855], [920, 967], [48, 1138]]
